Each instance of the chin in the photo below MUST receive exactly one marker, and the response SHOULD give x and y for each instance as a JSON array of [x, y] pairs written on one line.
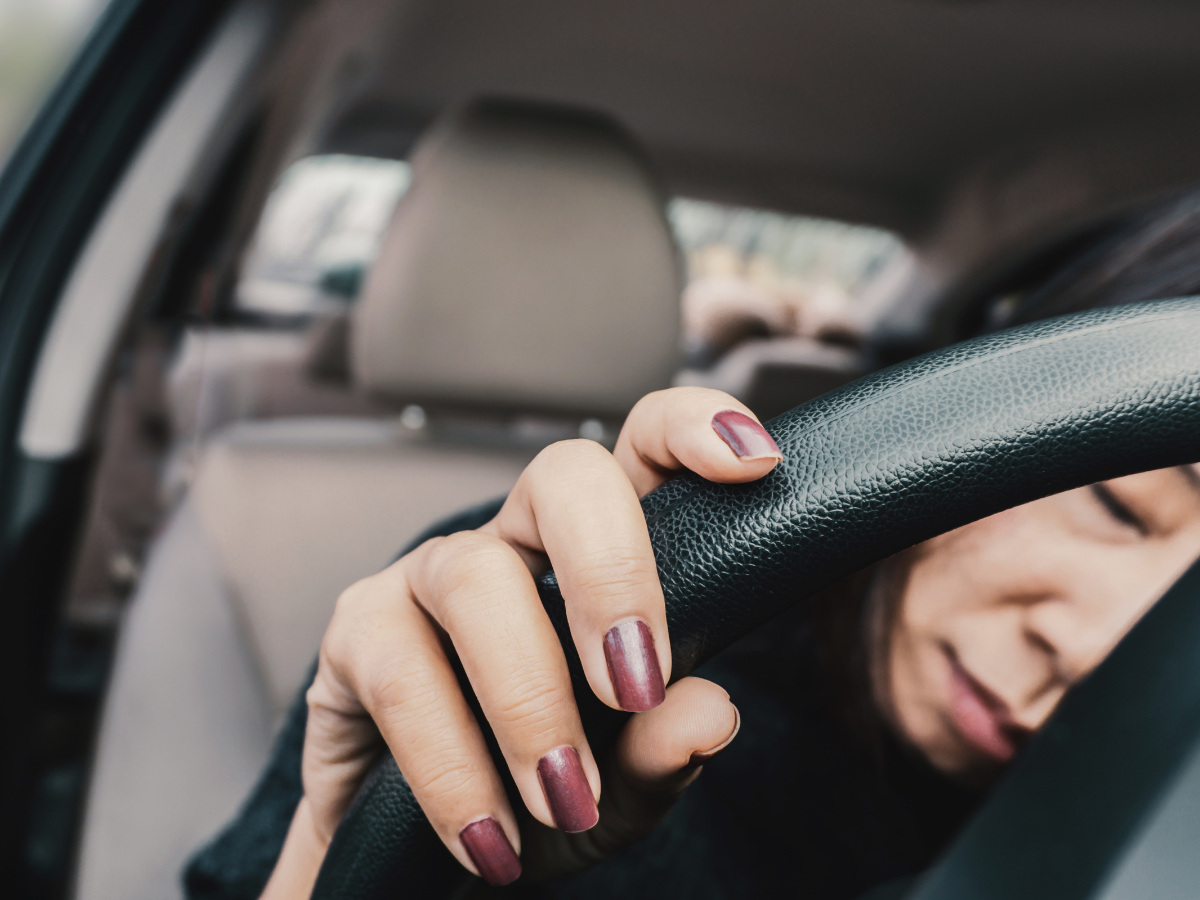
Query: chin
[[943, 748], [963, 764]]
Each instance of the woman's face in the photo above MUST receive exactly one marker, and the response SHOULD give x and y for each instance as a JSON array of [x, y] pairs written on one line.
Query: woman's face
[[997, 620]]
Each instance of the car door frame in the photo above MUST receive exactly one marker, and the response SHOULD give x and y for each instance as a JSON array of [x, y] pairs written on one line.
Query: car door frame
[[53, 190]]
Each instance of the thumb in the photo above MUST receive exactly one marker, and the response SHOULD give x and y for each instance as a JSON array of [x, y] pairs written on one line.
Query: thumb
[[658, 754]]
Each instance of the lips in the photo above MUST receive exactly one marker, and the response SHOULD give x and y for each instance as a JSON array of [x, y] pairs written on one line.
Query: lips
[[980, 718]]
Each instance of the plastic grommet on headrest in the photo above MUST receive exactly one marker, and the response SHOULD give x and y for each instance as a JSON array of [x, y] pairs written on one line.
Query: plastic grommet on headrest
[[530, 267]]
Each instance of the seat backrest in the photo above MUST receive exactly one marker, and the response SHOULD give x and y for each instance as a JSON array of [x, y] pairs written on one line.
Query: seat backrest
[[297, 510], [529, 267]]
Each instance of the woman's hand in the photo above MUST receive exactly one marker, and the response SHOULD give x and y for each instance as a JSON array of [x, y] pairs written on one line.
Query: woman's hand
[[385, 674]]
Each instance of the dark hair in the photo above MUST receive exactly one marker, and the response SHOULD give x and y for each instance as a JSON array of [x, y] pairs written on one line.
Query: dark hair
[[1152, 254]]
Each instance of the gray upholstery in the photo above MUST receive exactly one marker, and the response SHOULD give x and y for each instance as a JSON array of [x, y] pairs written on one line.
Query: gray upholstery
[[186, 727], [283, 516], [529, 266], [298, 510]]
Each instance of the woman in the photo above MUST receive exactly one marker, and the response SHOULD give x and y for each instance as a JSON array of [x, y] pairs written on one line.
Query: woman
[[867, 729]]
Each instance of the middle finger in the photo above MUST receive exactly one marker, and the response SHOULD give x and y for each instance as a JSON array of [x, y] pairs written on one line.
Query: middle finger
[[478, 589], [576, 505]]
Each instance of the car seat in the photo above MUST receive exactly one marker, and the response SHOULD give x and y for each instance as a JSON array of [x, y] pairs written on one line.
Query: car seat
[[529, 271]]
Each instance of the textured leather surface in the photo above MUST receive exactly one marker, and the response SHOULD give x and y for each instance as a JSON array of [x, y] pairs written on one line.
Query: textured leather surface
[[879, 465]]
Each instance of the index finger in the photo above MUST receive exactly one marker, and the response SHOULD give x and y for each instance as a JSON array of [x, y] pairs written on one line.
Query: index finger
[[705, 431]]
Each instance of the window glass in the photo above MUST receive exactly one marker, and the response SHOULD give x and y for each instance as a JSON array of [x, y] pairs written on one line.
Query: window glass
[[764, 245], [755, 274], [284, 353], [37, 40], [318, 234]]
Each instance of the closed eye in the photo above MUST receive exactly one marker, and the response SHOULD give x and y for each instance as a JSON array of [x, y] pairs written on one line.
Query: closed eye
[[1118, 510]]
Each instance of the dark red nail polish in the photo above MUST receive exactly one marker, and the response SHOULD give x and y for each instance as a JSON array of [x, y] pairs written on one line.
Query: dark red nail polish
[[633, 666], [489, 849], [746, 437], [568, 793]]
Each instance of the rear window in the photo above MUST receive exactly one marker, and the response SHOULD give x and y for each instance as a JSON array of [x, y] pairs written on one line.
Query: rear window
[[758, 275], [767, 246]]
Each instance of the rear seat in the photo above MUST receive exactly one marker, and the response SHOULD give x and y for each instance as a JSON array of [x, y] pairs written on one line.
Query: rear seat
[[529, 271]]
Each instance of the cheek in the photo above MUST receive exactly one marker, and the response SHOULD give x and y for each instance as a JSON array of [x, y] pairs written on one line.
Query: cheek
[[917, 677], [918, 696], [948, 583], [975, 567]]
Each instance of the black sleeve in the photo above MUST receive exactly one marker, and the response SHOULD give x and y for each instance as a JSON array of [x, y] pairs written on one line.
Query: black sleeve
[[236, 864]]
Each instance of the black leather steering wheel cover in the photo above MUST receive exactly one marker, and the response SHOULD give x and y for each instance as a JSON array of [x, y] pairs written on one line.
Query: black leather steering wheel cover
[[869, 469]]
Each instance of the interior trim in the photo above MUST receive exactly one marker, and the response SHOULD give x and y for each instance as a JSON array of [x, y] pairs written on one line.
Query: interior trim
[[101, 289]]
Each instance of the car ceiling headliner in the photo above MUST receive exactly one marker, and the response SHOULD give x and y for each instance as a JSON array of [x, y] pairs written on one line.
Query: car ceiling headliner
[[867, 109]]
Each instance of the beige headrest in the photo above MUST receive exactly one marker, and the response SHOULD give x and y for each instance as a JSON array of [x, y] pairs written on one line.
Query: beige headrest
[[529, 267]]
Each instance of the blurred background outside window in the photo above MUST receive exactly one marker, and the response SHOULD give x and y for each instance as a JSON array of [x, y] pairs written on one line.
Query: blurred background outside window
[[319, 233], [759, 274], [37, 40]]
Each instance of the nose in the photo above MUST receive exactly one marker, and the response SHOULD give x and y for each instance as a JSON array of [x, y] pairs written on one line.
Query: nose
[[1075, 637]]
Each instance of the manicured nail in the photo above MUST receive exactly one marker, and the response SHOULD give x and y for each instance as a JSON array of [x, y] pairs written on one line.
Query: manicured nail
[[633, 666], [747, 438], [489, 849], [700, 757], [567, 791]]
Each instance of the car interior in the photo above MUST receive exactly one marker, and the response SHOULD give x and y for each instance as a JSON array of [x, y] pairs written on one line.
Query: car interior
[[202, 447]]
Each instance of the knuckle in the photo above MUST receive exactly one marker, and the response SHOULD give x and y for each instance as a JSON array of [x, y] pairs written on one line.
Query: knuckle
[[402, 694], [572, 453], [355, 608], [463, 552], [439, 768], [442, 780], [470, 566], [616, 571], [570, 470], [684, 394], [355, 596], [651, 407], [532, 706]]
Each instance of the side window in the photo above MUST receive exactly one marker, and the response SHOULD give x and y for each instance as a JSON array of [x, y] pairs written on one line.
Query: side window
[[37, 40], [282, 351], [318, 234]]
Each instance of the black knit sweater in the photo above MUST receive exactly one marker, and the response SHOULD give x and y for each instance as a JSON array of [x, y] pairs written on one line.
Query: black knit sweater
[[799, 804]]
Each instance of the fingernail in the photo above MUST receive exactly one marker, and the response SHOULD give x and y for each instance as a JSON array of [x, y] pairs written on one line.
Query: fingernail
[[489, 849], [700, 757], [567, 791], [633, 666], [746, 438]]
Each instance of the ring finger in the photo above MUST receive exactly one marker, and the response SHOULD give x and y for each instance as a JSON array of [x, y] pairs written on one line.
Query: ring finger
[[479, 590]]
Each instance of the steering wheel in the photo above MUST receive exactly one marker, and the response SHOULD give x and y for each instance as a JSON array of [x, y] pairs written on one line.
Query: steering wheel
[[874, 467]]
